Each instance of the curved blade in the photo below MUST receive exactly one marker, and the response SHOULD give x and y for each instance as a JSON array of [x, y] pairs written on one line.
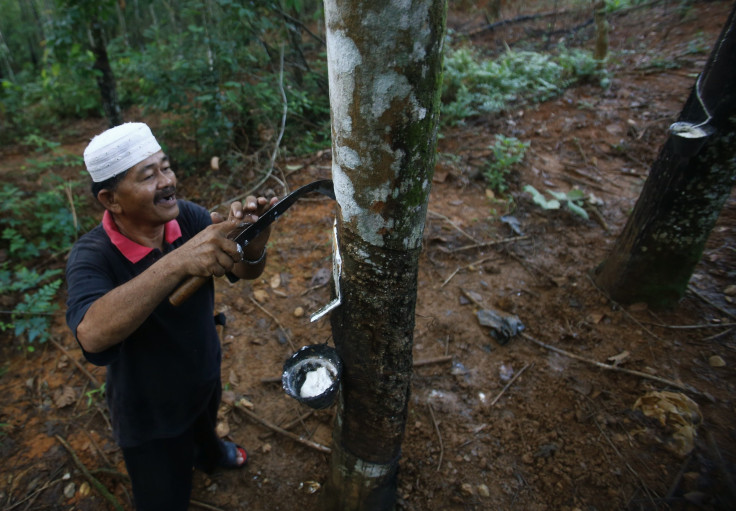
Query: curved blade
[[323, 186]]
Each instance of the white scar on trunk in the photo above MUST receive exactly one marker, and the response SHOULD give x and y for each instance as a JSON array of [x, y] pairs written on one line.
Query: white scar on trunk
[[378, 93]]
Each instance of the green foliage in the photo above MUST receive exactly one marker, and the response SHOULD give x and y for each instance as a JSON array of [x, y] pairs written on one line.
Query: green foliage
[[34, 224], [573, 199], [98, 393], [30, 316], [617, 5], [507, 152], [226, 94], [208, 72], [475, 86]]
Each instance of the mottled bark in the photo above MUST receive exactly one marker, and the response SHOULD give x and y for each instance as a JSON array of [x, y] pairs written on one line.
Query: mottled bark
[[384, 62], [105, 76], [655, 255]]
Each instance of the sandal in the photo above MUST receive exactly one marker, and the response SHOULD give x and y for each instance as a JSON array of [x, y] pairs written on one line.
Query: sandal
[[230, 454]]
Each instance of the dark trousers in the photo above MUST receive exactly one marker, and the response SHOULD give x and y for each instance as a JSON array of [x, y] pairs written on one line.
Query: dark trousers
[[161, 470]]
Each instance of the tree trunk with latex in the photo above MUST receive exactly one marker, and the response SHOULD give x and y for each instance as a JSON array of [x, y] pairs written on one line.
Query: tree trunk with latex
[[663, 240], [384, 66]]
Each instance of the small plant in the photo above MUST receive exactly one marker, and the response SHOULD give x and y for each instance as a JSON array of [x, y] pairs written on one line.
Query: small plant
[[574, 200], [507, 152], [617, 5], [99, 392]]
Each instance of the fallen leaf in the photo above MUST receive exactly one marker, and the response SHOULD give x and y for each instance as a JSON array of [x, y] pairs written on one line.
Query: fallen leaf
[[595, 317], [84, 489], [275, 281], [678, 412], [245, 403], [260, 295], [64, 397], [716, 361], [222, 429]]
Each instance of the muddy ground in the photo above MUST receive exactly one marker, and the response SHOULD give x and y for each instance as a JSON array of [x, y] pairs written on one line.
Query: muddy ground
[[514, 426]]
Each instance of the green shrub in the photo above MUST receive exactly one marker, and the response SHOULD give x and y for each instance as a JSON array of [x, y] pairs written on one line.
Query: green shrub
[[475, 86], [507, 152], [35, 224]]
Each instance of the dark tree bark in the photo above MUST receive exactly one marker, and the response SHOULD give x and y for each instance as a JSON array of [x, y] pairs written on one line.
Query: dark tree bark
[[655, 255], [105, 76], [384, 63]]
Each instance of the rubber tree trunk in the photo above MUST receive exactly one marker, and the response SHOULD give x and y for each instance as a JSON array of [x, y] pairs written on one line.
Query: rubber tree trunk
[[384, 65], [105, 76], [655, 255]]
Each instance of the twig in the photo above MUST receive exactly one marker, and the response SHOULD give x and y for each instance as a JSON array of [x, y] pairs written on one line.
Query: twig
[[720, 463], [268, 173], [70, 198], [286, 334], [709, 302], [204, 505], [598, 217], [488, 243], [519, 19], [691, 327], [99, 449], [285, 110], [439, 435], [470, 265], [681, 386], [302, 25], [74, 361], [644, 487], [506, 387], [676, 482], [288, 426], [626, 313], [443, 217], [435, 360], [35, 494], [716, 336], [296, 438], [448, 279], [92, 479]]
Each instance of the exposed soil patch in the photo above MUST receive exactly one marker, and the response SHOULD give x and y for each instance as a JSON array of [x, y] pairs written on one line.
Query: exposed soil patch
[[513, 426]]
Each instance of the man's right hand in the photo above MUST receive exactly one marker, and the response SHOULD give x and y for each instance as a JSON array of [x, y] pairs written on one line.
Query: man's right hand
[[209, 253]]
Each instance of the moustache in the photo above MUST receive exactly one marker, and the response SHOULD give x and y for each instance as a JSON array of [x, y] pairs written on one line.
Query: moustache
[[166, 192]]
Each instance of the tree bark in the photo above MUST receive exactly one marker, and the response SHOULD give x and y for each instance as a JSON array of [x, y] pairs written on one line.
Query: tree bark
[[663, 240], [105, 76], [384, 66]]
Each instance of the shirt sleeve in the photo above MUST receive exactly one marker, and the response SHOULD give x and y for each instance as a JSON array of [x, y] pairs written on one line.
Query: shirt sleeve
[[87, 281]]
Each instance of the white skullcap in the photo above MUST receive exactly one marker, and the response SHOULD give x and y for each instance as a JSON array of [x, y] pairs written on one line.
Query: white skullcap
[[118, 149]]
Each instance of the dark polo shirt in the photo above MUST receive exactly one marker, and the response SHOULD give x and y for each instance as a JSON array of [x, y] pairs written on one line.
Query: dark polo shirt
[[161, 377]]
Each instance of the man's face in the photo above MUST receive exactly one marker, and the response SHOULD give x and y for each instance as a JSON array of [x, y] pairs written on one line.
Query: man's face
[[147, 194]]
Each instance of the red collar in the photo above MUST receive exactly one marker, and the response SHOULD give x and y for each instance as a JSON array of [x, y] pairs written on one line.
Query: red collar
[[132, 251]]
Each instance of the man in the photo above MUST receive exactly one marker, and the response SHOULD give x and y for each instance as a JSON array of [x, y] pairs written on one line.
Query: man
[[163, 362]]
